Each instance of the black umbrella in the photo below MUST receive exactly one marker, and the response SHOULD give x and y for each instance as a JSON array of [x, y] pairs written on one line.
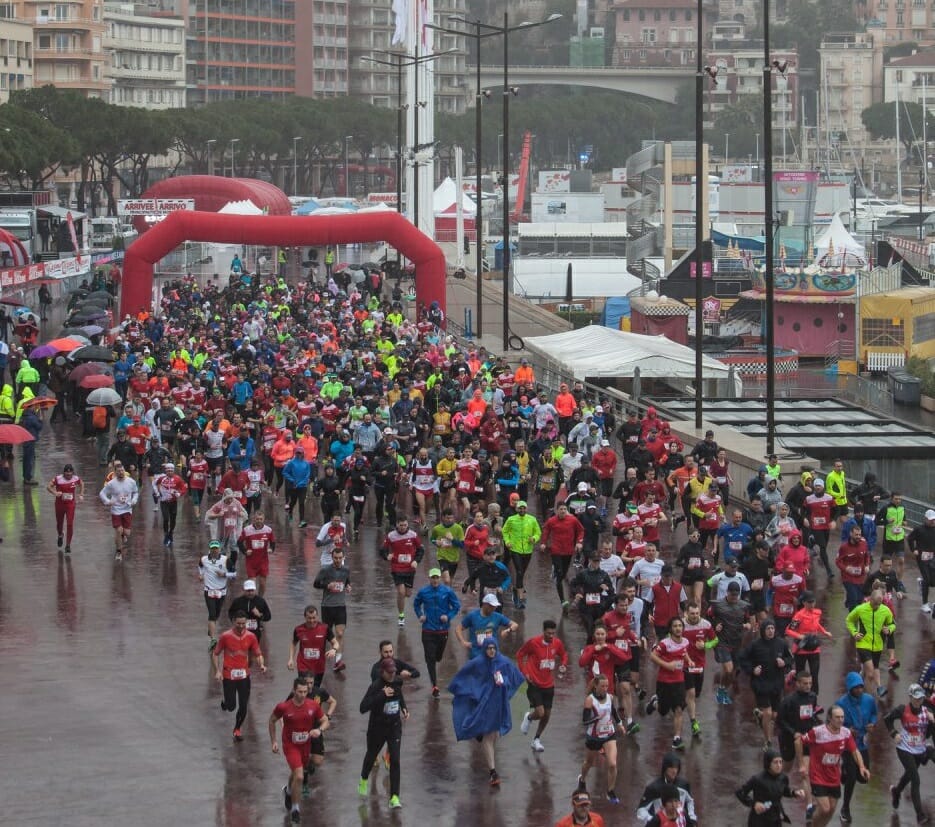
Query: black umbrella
[[83, 291], [101, 294], [93, 353], [93, 302], [72, 331], [89, 314]]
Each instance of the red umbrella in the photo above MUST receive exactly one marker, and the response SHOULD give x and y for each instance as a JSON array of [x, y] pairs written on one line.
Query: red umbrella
[[41, 402], [14, 435], [97, 381], [65, 344], [89, 369]]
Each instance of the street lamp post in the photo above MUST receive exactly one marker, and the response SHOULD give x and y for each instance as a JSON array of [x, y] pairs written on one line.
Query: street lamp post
[[700, 175], [769, 228], [232, 142], [295, 165], [210, 144], [347, 172]]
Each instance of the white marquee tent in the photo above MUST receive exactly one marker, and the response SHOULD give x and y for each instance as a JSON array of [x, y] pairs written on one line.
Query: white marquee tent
[[598, 352], [445, 200], [837, 241]]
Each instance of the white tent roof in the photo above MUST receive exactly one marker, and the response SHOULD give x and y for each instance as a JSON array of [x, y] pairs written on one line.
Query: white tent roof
[[601, 352], [245, 207], [837, 239], [445, 199]]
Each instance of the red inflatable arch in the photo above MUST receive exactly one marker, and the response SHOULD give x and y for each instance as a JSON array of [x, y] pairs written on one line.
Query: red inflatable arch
[[17, 251], [282, 231]]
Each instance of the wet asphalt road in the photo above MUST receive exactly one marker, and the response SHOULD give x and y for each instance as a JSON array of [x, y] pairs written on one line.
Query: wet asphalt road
[[110, 713]]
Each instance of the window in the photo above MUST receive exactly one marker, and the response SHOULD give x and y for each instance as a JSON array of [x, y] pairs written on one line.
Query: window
[[45, 41], [657, 16], [648, 36], [626, 15], [882, 333], [899, 75], [923, 329], [642, 15], [672, 15], [625, 54]]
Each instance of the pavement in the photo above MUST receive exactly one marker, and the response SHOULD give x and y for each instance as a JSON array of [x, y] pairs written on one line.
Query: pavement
[[110, 713]]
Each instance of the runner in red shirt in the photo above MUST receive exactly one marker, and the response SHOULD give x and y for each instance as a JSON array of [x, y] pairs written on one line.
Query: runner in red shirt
[[403, 550], [139, 435], [303, 721], [599, 658], [308, 652], [168, 489], [257, 542], [700, 635], [651, 515], [197, 479], [787, 588], [231, 661], [238, 482], [620, 636], [538, 658], [562, 535], [671, 655], [827, 744], [67, 488]]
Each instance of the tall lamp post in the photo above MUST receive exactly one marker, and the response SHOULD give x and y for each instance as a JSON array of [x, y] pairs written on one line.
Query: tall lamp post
[[347, 172], [295, 165], [508, 92], [699, 213], [210, 144], [769, 272], [232, 142]]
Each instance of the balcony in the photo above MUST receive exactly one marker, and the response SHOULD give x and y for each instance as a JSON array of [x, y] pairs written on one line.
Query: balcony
[[70, 52]]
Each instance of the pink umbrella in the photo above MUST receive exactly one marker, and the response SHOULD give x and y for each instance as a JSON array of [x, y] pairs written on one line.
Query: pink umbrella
[[14, 435], [90, 369], [97, 381]]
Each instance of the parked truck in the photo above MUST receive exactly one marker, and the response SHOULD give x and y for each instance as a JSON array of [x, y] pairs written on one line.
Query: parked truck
[[109, 233]]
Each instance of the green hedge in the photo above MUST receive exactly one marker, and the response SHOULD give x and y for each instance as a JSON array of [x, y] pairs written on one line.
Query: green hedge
[[919, 367]]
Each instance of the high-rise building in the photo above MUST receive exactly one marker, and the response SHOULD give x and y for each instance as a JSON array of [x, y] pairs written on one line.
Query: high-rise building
[[68, 44], [899, 21], [16, 70], [146, 50]]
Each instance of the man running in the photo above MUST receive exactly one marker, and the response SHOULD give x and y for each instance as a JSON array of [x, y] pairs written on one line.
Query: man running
[[214, 574], [308, 651], [120, 494], [435, 605], [387, 707], [256, 543], [562, 536], [231, 662], [335, 582], [403, 549], [538, 659], [168, 489], [482, 623], [303, 721], [68, 488]]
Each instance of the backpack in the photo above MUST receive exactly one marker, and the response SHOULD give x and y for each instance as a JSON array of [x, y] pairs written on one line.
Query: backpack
[[99, 418]]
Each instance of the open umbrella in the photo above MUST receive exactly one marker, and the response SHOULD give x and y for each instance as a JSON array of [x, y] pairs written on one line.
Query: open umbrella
[[41, 402], [82, 290], [93, 301], [89, 314], [92, 329], [99, 380], [92, 353], [101, 294], [76, 333], [104, 396], [42, 352], [14, 435], [90, 369], [65, 344]]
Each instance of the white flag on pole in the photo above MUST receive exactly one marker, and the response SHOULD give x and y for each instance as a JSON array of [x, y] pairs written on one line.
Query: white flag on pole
[[400, 21]]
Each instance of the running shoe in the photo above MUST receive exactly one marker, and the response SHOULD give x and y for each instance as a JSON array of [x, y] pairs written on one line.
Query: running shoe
[[677, 743], [894, 797], [214, 642], [362, 787], [894, 665], [296, 817], [758, 715], [306, 790], [494, 779], [582, 787], [303, 524], [809, 812], [927, 608], [632, 728], [696, 728], [612, 797], [515, 600], [436, 692], [61, 540], [402, 619], [395, 803], [238, 736], [881, 692], [728, 700], [67, 549], [117, 556], [286, 797], [537, 745], [340, 666], [651, 706], [846, 816], [522, 604], [565, 605], [524, 726], [641, 693]]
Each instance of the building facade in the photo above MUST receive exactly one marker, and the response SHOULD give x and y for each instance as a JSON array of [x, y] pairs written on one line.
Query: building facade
[[16, 50], [68, 44], [899, 21], [911, 79], [146, 53]]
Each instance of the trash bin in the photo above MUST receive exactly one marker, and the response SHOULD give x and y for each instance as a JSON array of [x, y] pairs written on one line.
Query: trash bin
[[906, 388]]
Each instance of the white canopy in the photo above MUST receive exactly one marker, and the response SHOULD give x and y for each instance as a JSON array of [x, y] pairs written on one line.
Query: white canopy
[[597, 352], [837, 241], [245, 207], [445, 199]]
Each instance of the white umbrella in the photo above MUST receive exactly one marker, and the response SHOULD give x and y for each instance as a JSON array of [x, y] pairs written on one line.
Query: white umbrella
[[104, 396]]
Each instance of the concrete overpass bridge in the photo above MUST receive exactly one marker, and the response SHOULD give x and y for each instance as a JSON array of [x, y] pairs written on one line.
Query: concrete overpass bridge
[[657, 82]]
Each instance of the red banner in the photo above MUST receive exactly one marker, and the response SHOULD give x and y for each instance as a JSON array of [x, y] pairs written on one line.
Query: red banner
[[59, 269]]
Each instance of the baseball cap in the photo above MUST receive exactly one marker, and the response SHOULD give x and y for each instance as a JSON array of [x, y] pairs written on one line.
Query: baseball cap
[[491, 600], [249, 584], [169, 465], [214, 544], [521, 504], [580, 797], [807, 597], [605, 442], [916, 691], [733, 561], [228, 492], [789, 567], [388, 665], [930, 514], [667, 569], [435, 572], [817, 482], [733, 587], [582, 486]]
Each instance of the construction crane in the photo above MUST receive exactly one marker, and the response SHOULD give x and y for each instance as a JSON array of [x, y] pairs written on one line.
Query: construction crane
[[517, 215]]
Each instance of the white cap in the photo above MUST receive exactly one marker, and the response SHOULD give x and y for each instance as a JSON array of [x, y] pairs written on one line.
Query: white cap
[[930, 514], [605, 442], [818, 482], [228, 492], [169, 465], [491, 600], [582, 486], [599, 409], [249, 584]]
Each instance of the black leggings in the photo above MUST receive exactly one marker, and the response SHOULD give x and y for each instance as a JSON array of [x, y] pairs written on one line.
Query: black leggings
[[850, 776], [170, 512], [546, 502], [377, 736], [520, 564], [387, 497], [433, 646], [298, 495], [237, 696], [358, 510], [560, 565], [910, 777], [813, 662], [927, 572]]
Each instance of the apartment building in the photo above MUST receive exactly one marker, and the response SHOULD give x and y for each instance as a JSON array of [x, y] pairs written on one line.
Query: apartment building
[[899, 21], [146, 49], [16, 46], [658, 32], [737, 63], [911, 79], [68, 44], [850, 80]]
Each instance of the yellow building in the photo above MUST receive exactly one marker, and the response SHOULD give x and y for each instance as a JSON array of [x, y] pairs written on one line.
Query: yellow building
[[895, 326]]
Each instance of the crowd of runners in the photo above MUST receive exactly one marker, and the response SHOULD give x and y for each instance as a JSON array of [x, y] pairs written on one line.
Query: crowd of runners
[[335, 410]]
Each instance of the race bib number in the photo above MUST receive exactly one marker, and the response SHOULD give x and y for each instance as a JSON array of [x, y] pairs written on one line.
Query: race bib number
[[215, 593], [806, 711], [820, 522], [735, 545], [721, 480], [238, 674], [926, 556], [252, 625], [230, 522], [694, 562], [853, 570], [123, 498], [897, 531], [829, 759], [480, 637], [311, 654], [604, 728], [357, 499], [68, 497], [465, 485], [258, 544], [757, 584], [623, 645], [391, 708], [336, 586], [547, 664], [785, 609], [198, 476], [299, 737], [404, 558], [592, 598], [498, 677]]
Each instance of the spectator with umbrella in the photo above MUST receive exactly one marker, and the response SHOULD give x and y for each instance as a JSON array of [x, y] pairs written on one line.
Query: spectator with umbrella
[[30, 421]]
